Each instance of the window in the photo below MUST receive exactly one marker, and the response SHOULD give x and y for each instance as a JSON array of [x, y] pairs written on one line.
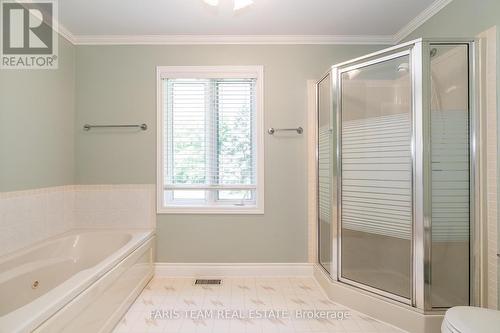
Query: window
[[210, 142]]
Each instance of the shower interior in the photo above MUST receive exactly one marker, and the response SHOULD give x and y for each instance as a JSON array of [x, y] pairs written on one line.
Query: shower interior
[[397, 173]]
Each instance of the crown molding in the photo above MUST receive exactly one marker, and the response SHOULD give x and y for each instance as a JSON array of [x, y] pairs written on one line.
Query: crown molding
[[425, 15], [65, 33], [420, 19], [58, 27], [228, 39]]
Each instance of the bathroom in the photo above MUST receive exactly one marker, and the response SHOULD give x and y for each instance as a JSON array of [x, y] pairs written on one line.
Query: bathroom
[[182, 166]]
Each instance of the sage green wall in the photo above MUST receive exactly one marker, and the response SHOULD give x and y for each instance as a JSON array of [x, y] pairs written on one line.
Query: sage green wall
[[463, 18], [37, 116], [117, 84]]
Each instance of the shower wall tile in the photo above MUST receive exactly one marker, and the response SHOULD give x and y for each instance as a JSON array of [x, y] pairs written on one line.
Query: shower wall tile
[[491, 149]]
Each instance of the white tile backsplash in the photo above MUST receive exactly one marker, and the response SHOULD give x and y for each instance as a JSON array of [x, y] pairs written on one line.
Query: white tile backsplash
[[27, 217], [115, 206]]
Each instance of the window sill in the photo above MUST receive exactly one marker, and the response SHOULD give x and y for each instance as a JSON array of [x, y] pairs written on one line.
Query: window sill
[[208, 210]]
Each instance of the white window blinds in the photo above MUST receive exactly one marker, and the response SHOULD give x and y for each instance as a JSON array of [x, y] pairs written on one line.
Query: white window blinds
[[209, 143]]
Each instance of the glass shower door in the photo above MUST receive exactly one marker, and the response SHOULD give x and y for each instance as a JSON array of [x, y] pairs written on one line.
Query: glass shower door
[[376, 206], [450, 179]]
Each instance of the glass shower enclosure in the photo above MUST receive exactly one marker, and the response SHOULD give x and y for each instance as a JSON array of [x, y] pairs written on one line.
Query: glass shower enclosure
[[397, 180]]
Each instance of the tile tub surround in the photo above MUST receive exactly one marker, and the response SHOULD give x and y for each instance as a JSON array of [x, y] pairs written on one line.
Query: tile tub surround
[[27, 217], [115, 206], [245, 294]]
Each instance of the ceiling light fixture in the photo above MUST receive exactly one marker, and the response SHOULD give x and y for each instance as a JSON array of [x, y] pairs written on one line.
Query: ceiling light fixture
[[238, 4]]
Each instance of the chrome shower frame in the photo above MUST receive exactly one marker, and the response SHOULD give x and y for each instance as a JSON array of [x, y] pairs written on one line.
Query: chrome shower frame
[[419, 52]]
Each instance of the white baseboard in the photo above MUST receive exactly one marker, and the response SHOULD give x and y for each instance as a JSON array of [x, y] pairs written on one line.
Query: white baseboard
[[233, 269]]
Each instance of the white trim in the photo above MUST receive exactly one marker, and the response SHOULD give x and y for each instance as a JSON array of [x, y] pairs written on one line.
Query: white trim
[[231, 39], [65, 33], [232, 269], [208, 72], [425, 15], [311, 172], [225, 210], [159, 141], [58, 27], [419, 20], [257, 72]]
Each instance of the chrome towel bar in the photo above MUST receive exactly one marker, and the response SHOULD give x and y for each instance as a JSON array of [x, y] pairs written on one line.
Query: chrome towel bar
[[273, 130], [88, 127]]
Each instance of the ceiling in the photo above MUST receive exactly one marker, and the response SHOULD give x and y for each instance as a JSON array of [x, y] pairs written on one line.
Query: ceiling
[[343, 18]]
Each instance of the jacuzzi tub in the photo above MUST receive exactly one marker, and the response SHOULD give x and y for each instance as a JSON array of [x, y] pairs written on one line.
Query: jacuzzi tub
[[81, 281]]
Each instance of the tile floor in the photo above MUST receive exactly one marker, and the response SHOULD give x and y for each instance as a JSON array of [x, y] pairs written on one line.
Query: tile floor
[[169, 305]]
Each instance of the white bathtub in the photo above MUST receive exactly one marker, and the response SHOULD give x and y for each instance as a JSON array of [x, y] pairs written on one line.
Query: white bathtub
[[81, 281]]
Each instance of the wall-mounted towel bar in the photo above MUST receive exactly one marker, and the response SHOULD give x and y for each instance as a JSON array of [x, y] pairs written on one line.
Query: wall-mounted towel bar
[[273, 130], [88, 127]]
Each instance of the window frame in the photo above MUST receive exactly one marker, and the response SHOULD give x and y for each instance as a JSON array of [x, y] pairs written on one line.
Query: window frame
[[211, 72]]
